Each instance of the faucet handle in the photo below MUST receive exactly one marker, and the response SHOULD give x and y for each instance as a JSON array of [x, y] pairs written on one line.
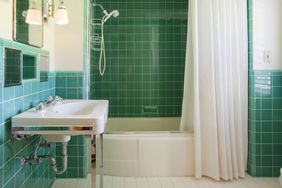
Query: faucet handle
[[58, 98], [40, 106], [49, 99]]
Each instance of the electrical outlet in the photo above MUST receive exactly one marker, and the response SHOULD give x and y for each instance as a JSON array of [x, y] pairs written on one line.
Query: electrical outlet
[[267, 57]]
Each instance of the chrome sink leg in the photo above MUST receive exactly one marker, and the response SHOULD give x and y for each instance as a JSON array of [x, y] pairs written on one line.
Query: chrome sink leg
[[101, 161]]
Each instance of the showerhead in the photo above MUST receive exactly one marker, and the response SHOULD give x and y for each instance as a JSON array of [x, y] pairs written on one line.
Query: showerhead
[[114, 13]]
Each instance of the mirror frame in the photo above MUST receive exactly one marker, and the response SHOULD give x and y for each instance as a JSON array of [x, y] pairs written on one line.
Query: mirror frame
[[15, 25]]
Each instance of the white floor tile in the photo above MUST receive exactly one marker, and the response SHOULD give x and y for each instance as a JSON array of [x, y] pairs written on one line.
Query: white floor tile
[[191, 184], [142, 184], [82, 182], [203, 184], [166, 184], [108, 179], [107, 185], [188, 179], [118, 179], [58, 184], [129, 179], [153, 184], [177, 184], [118, 185], [130, 185], [153, 179], [164, 179], [70, 184], [141, 179], [178, 179]]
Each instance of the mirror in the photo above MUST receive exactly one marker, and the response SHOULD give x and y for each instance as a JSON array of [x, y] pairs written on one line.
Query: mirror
[[44, 68], [29, 67], [23, 32], [12, 67]]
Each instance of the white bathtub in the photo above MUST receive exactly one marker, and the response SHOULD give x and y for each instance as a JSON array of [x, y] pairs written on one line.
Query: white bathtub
[[147, 147]]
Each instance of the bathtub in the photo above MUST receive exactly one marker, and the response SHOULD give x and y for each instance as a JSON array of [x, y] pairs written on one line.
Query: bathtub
[[147, 147]]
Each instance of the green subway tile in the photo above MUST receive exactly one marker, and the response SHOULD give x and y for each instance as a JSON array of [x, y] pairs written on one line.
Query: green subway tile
[[266, 104], [277, 126], [277, 115], [266, 126], [10, 183], [266, 114], [266, 171], [267, 137], [277, 161], [276, 171], [277, 81], [277, 149], [266, 161], [266, 149], [277, 91], [277, 138], [277, 103]]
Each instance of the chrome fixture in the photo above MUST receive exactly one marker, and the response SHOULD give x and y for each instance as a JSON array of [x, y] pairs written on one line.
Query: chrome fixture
[[35, 15], [57, 100], [49, 100], [36, 159], [40, 106], [53, 100], [60, 14], [106, 16]]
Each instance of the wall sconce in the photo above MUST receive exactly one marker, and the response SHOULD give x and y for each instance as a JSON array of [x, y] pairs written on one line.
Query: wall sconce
[[33, 15], [60, 14]]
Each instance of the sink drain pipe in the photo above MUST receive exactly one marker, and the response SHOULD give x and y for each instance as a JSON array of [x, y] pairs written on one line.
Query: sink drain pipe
[[64, 155]]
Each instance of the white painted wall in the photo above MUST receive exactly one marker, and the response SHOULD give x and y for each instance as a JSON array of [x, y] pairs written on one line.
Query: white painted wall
[[6, 19], [68, 50], [49, 42], [267, 33]]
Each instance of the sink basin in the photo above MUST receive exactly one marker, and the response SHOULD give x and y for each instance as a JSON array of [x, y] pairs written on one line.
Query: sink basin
[[70, 117]]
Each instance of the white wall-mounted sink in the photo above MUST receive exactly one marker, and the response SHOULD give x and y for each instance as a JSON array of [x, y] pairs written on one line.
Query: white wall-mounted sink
[[70, 117]]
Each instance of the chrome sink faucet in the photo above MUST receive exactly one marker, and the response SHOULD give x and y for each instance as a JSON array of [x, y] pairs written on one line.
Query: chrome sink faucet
[[57, 100], [49, 100], [53, 100]]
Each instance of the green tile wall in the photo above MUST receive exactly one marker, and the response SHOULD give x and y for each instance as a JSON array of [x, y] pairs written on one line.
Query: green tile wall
[[77, 158], [14, 100], [69, 85], [145, 50], [12, 70], [29, 67], [265, 117]]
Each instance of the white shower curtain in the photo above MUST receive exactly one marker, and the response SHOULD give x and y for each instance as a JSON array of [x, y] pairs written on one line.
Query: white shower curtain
[[216, 87]]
